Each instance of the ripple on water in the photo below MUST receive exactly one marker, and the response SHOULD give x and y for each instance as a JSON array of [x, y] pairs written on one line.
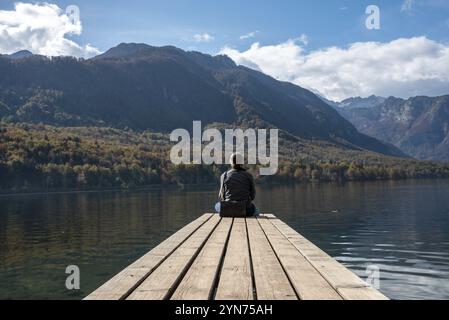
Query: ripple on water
[[402, 228]]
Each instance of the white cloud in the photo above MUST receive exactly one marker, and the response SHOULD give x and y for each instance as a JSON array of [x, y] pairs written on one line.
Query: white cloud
[[304, 39], [402, 68], [407, 6], [42, 29], [203, 37], [249, 35]]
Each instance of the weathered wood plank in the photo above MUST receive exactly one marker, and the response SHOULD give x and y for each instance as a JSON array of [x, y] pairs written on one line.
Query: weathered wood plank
[[307, 281], [347, 284], [162, 281], [236, 280], [281, 258], [270, 279], [366, 293], [198, 283], [127, 280]]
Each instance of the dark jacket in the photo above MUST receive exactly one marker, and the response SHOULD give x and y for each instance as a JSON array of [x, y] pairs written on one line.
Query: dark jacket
[[238, 186]]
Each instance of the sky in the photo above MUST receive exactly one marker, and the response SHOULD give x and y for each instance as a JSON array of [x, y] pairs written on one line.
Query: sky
[[324, 46]]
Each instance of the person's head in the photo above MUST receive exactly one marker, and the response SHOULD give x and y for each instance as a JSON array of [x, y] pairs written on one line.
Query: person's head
[[236, 161]]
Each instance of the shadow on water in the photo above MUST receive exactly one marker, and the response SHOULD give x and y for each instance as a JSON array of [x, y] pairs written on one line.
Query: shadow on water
[[401, 227]]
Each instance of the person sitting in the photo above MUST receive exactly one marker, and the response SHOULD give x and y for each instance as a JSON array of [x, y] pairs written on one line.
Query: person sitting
[[237, 185]]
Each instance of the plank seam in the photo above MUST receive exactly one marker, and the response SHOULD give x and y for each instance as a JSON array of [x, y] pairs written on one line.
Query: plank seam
[[336, 288], [253, 280], [138, 283], [220, 265], [190, 263], [279, 260]]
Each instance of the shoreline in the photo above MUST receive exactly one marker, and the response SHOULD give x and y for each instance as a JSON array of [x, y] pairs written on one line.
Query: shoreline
[[5, 193]]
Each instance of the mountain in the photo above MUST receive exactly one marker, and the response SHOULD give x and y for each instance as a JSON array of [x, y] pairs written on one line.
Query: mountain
[[419, 126], [358, 102], [354, 102], [142, 87], [124, 50], [19, 55], [331, 103]]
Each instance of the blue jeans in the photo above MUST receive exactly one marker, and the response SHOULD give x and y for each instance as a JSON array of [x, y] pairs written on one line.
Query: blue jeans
[[255, 211]]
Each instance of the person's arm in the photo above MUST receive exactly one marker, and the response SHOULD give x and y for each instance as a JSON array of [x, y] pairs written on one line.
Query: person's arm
[[221, 193], [253, 187]]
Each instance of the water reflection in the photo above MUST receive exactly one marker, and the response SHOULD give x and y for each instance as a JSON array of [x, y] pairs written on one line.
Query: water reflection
[[403, 228], [400, 227]]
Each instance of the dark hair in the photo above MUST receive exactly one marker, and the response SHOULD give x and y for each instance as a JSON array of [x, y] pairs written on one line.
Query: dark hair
[[234, 162]]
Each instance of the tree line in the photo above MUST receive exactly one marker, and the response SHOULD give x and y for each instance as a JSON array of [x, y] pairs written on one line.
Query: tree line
[[39, 157]]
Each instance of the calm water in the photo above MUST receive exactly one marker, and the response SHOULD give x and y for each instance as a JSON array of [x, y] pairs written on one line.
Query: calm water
[[403, 228]]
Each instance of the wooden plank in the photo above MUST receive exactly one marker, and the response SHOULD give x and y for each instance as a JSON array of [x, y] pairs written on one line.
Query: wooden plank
[[236, 280], [348, 284], [366, 293], [162, 282], [199, 281], [306, 280], [127, 280], [271, 282]]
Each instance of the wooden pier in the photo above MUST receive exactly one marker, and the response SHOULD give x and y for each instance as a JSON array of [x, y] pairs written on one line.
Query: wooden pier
[[236, 259]]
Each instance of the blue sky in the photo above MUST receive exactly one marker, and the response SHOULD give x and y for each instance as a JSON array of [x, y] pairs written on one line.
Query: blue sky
[[303, 41], [326, 23]]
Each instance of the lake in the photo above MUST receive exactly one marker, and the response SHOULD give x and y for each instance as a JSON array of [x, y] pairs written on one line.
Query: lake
[[402, 228]]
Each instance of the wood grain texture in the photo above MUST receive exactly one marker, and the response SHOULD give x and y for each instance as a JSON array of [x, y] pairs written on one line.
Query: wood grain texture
[[198, 283], [366, 293], [309, 284], [127, 280], [163, 280], [270, 279], [250, 258], [236, 278], [347, 284]]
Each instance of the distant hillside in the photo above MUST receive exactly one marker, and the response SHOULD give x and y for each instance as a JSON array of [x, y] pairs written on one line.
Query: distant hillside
[[20, 54], [359, 103], [38, 157], [142, 87], [69, 123], [17, 55], [419, 126]]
